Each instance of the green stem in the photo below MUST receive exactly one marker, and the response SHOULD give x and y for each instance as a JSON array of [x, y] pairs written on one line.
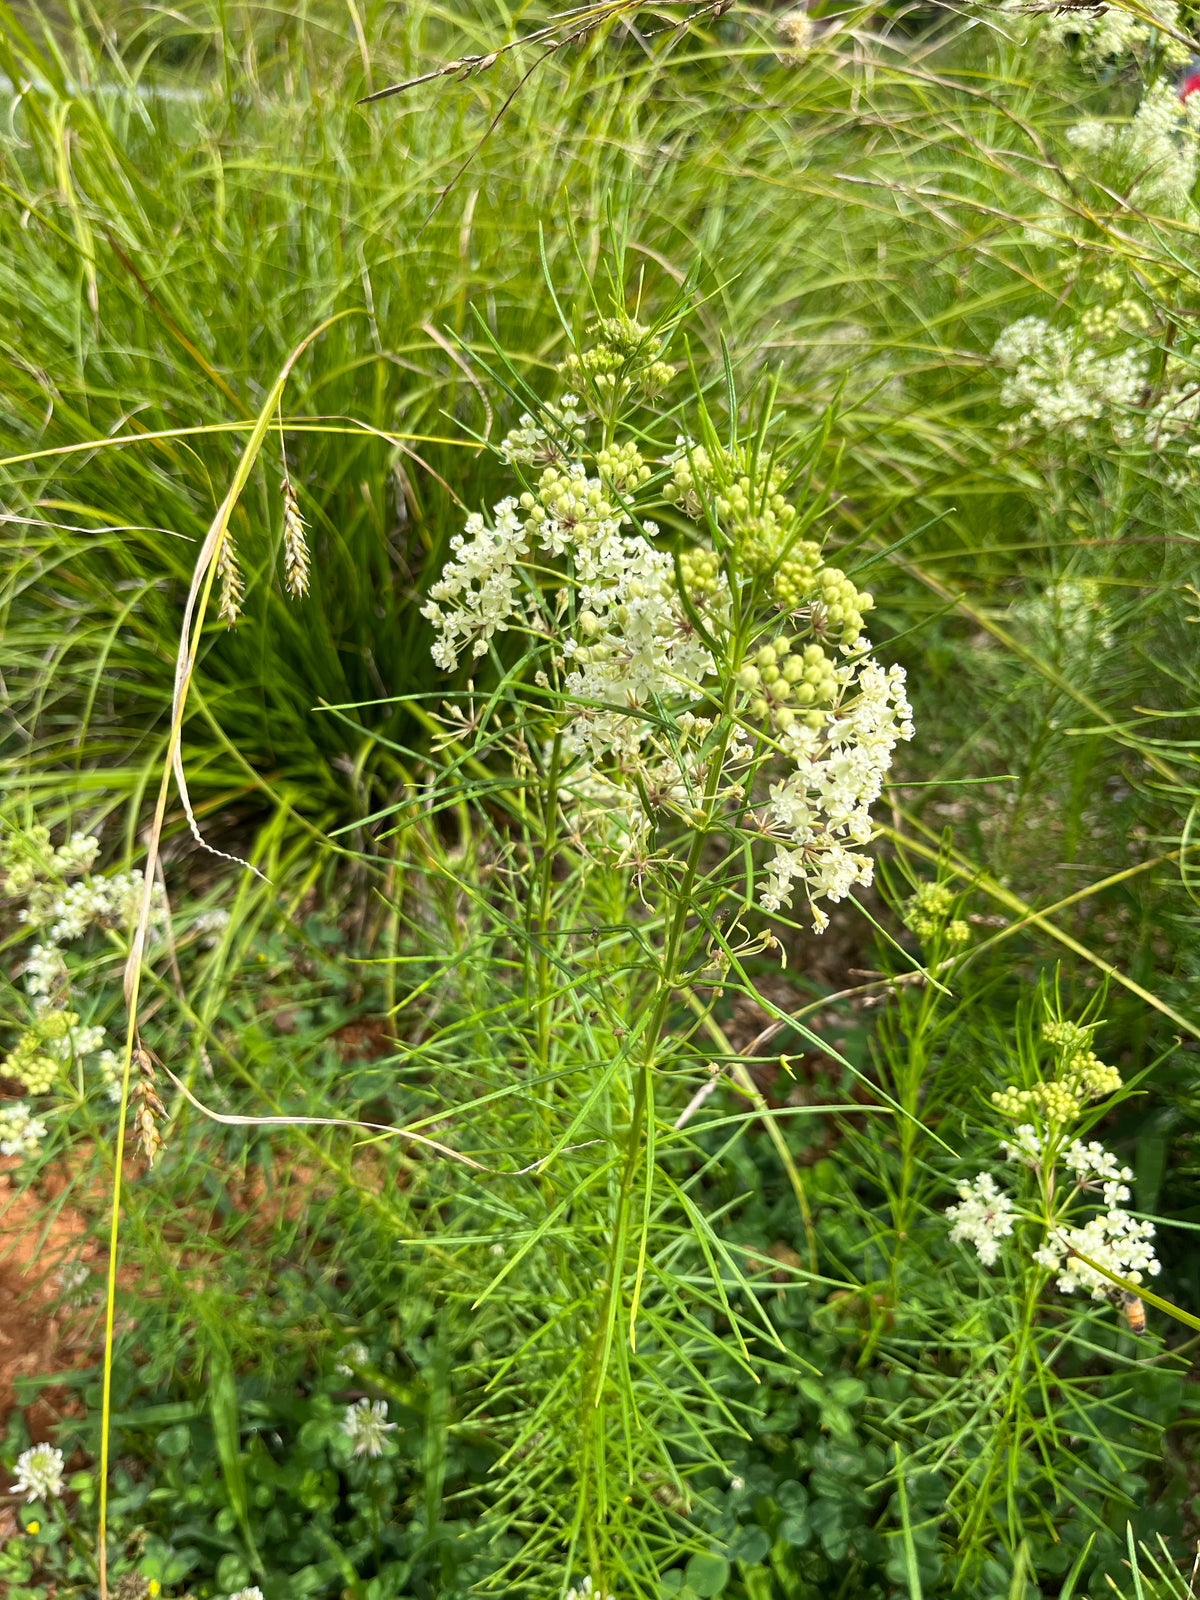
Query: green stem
[[592, 1417]]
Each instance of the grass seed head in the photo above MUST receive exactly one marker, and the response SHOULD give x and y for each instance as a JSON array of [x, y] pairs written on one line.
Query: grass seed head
[[232, 589], [295, 544]]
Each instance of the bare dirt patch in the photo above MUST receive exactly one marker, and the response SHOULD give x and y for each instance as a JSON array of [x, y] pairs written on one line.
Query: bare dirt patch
[[46, 1257]]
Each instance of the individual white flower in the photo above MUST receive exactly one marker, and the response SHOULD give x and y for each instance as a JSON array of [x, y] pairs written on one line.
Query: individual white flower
[[585, 1592], [77, 855], [39, 1473], [45, 970], [21, 1133], [111, 1064], [366, 1424], [252, 1592], [356, 1353], [982, 1218], [1025, 1146]]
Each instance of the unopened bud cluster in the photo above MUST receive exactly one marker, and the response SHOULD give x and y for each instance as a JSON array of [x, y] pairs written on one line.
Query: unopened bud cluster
[[759, 520], [626, 354], [791, 682], [927, 913], [1080, 1076]]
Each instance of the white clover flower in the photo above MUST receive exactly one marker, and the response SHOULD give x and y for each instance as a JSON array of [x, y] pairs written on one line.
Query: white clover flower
[[366, 1424], [983, 1217], [21, 1133], [39, 1473], [208, 922], [252, 1592]]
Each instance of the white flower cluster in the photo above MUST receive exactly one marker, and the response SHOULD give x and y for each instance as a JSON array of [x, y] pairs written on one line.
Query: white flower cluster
[[112, 902], [1113, 1238], [28, 859], [1024, 1146], [632, 642], [45, 971], [826, 802], [529, 444], [1071, 616], [983, 1217], [1156, 153], [21, 1133], [35, 873], [110, 1065], [1100, 33], [39, 1473], [1092, 1163], [366, 1424], [251, 1592], [1061, 383]]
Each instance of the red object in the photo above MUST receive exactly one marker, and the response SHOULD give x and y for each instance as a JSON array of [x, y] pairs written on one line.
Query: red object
[[1190, 81]]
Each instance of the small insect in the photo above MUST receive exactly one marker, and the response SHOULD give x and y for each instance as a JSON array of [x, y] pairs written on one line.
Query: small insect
[[1135, 1312]]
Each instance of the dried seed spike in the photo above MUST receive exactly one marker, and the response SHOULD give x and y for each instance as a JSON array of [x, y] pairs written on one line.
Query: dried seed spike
[[295, 544], [149, 1110], [230, 605]]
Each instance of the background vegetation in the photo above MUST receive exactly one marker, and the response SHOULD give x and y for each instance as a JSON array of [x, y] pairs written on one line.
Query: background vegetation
[[186, 194]]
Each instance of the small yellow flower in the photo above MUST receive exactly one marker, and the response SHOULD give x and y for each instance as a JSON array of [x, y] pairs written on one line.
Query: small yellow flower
[[33, 1527], [155, 1588]]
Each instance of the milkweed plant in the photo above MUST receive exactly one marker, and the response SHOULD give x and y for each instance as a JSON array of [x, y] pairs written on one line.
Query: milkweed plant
[[655, 769], [698, 728]]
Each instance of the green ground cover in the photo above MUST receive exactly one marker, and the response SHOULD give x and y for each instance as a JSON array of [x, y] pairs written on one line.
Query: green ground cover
[[921, 287]]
